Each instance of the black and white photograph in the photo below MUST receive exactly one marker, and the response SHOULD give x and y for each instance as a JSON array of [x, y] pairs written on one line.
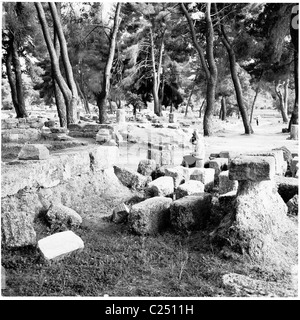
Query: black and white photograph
[[149, 150]]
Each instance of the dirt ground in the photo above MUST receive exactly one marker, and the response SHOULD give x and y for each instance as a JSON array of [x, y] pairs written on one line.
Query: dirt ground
[[228, 136]]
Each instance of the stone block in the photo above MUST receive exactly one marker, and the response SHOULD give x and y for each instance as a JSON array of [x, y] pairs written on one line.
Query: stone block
[[17, 220], [225, 184], [218, 164], [191, 187], [224, 154], [120, 213], [191, 212], [287, 187], [294, 166], [252, 168], [161, 187], [146, 167], [34, 152], [103, 157], [131, 178], [60, 245], [179, 174], [205, 175], [58, 213], [280, 165], [151, 216], [292, 205]]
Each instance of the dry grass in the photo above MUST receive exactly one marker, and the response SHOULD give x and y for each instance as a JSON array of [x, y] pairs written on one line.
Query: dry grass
[[118, 263]]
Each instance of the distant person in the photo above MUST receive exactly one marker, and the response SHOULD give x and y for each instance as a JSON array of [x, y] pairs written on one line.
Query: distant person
[[257, 121]]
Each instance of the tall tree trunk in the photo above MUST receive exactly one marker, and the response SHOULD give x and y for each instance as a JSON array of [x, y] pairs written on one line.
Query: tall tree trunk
[[155, 78], [190, 97], [67, 93], [75, 101], [208, 64], [11, 81], [103, 95], [18, 80], [202, 105], [254, 100], [223, 109], [236, 82], [282, 100], [294, 30], [212, 80], [59, 98]]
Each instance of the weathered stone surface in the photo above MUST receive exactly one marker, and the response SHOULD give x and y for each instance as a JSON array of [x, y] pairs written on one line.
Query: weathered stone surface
[[17, 215], [20, 135], [258, 225], [146, 167], [130, 178], [292, 205], [59, 130], [224, 154], [190, 212], [294, 166], [151, 216], [287, 155], [60, 245], [58, 213], [225, 184], [205, 175], [58, 168], [287, 187], [191, 187], [161, 187], [120, 213], [179, 174], [252, 168], [226, 201], [247, 286], [33, 152], [218, 164], [103, 135], [280, 164]]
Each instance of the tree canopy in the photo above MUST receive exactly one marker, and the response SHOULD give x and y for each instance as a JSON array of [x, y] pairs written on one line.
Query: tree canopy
[[211, 56]]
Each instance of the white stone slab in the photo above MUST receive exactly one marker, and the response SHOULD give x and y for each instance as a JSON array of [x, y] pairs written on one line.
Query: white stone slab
[[60, 245]]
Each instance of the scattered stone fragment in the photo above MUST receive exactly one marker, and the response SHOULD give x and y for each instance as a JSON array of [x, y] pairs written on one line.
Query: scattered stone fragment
[[33, 152], [190, 212], [60, 245], [131, 178], [150, 216], [120, 213], [146, 167], [191, 187], [161, 187], [292, 205], [58, 213]]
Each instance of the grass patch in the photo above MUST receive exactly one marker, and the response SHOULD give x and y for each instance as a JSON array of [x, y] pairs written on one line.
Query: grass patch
[[117, 263]]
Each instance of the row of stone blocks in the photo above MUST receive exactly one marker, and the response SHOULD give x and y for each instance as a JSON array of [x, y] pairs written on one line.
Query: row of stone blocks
[[256, 215], [22, 123]]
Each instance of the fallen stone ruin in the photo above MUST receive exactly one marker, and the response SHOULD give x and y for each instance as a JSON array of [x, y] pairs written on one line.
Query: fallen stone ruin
[[254, 194]]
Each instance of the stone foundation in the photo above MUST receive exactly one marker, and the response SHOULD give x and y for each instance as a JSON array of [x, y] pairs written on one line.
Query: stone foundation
[[76, 178]]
